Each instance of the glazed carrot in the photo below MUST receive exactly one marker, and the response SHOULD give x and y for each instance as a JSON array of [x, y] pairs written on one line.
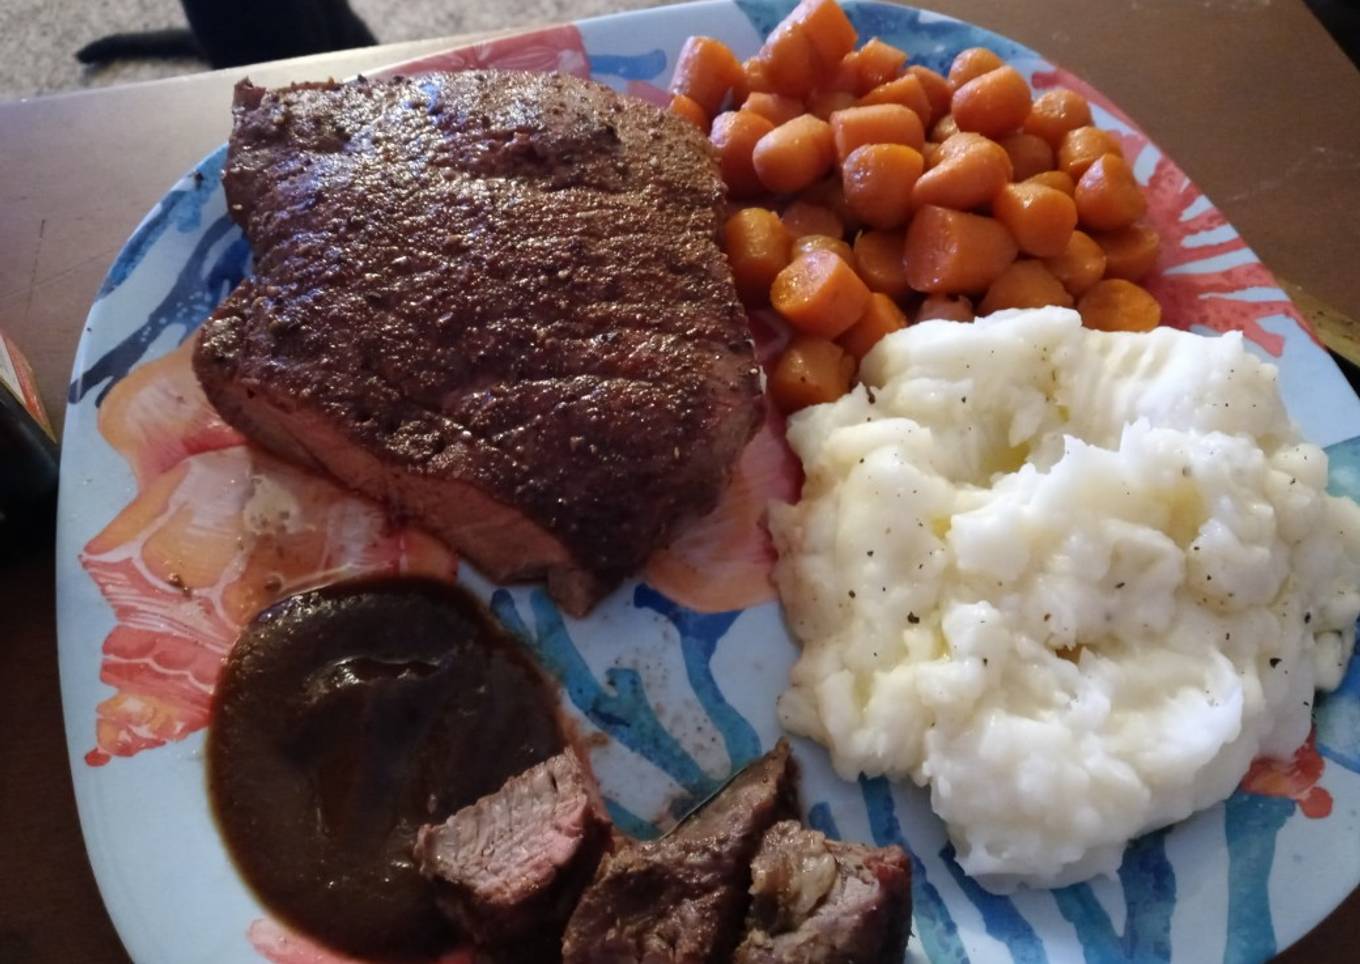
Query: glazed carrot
[[1029, 155], [757, 77], [1055, 112], [809, 372], [1039, 218], [905, 90], [819, 294], [1108, 198], [879, 320], [802, 218], [938, 91], [864, 69], [846, 76], [757, 246], [824, 242], [735, 134], [829, 193], [824, 103], [1079, 149], [950, 252], [789, 61], [968, 173], [930, 153], [945, 308], [875, 124], [1130, 253], [878, 258], [828, 28], [878, 181], [943, 129], [1057, 180], [970, 63], [1080, 265], [795, 154], [1118, 305], [690, 111], [1024, 284], [741, 89], [705, 71], [773, 107], [995, 103]]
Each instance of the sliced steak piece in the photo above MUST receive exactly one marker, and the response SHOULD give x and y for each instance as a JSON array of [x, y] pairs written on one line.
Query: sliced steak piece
[[819, 901], [681, 899], [494, 301], [510, 867]]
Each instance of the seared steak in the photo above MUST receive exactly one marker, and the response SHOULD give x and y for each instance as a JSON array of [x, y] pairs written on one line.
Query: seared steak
[[494, 301], [818, 901], [510, 867], [681, 899]]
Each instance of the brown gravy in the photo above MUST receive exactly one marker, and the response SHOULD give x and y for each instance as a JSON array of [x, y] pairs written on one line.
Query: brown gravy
[[344, 719]]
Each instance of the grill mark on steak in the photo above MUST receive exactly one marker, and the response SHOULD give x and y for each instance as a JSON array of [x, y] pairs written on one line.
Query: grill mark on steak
[[494, 301]]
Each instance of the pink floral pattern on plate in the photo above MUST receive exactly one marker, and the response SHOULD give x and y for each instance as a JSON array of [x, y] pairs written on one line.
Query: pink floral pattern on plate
[[218, 529], [1205, 272]]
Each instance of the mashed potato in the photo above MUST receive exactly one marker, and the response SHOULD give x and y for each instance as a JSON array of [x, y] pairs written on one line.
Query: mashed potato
[[1072, 581]]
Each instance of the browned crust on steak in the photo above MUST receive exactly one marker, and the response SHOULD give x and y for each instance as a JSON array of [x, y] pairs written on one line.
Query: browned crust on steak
[[494, 301]]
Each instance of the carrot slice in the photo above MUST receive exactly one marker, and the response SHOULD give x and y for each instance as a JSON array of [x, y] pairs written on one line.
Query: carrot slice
[[1131, 252], [1108, 198], [968, 172], [905, 90], [825, 103], [795, 155], [788, 60], [775, 108], [757, 247], [824, 242], [878, 179], [970, 63], [685, 107], [828, 28], [995, 103], [811, 371], [802, 218], [1040, 218], [705, 71], [879, 320], [1118, 305], [878, 257], [875, 124], [937, 89], [1080, 148], [819, 294], [1025, 284], [951, 252], [829, 193], [734, 134], [1029, 155], [864, 69], [1080, 264], [1055, 112], [1057, 180]]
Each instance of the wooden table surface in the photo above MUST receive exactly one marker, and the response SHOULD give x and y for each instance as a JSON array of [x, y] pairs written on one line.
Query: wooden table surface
[[1251, 97]]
